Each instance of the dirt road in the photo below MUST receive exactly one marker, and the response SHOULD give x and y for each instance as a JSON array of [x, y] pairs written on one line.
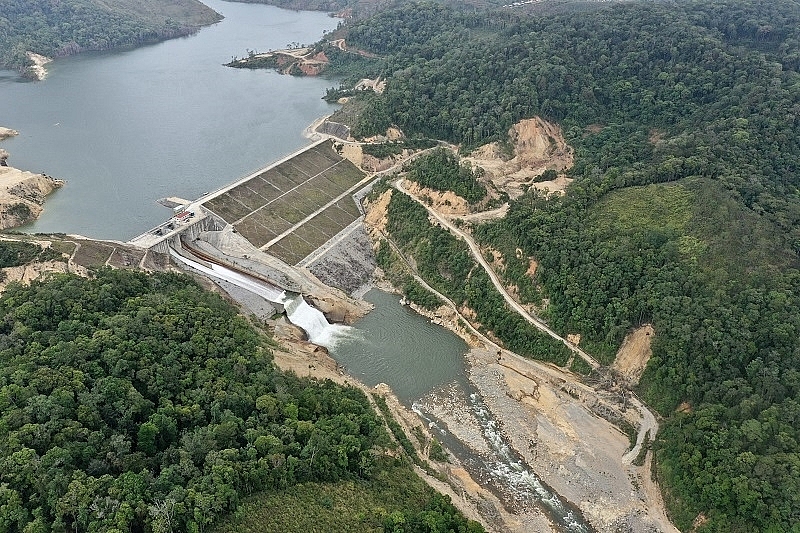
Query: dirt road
[[541, 381], [478, 256]]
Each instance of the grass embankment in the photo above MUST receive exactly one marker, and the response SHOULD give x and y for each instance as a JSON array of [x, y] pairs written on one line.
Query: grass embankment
[[354, 506]]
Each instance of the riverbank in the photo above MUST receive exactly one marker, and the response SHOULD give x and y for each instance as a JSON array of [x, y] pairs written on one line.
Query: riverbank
[[22, 193], [568, 433], [36, 70]]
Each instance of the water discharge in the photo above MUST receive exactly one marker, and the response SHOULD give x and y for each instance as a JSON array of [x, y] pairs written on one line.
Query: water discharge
[[312, 321], [419, 359], [298, 311]]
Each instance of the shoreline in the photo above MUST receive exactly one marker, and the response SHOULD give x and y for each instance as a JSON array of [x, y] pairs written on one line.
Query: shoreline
[[36, 70], [532, 402], [557, 423], [22, 193]]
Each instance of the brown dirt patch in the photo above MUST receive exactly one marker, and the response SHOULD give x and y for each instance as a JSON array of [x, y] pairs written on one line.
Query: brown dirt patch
[[27, 273], [354, 153], [538, 146], [446, 203], [655, 136], [634, 354], [498, 261], [594, 128], [305, 358], [377, 212], [532, 266], [22, 195]]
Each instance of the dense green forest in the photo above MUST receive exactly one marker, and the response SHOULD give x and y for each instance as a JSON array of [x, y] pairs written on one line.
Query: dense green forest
[[446, 264], [441, 170], [143, 403], [64, 27], [685, 210]]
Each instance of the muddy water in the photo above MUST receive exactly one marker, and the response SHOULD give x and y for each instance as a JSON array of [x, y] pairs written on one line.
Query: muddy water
[[424, 363], [396, 346]]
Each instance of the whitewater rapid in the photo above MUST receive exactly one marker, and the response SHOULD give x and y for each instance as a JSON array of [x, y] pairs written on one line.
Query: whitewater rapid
[[298, 311]]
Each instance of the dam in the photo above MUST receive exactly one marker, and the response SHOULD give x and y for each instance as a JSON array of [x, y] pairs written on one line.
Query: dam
[[270, 226], [288, 209]]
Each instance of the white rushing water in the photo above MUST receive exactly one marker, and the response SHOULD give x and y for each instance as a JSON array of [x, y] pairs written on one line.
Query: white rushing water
[[506, 470], [298, 311]]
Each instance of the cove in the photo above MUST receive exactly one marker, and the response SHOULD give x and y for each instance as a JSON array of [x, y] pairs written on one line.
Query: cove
[[127, 128]]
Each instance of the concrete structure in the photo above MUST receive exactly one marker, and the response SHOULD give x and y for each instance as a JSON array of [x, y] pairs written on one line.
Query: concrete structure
[[289, 208]]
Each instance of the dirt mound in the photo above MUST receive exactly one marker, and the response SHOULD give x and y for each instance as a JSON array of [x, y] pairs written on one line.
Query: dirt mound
[[447, 203], [537, 146]]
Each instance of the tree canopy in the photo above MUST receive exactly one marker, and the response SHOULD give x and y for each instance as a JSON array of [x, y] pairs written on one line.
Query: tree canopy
[[69, 26], [684, 212], [131, 402]]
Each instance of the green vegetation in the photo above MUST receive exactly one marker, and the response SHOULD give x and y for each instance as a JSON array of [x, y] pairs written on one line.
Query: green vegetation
[[16, 253], [579, 366], [392, 148], [20, 211], [353, 506], [395, 271], [397, 431], [447, 265], [685, 210], [441, 170], [306, 5], [143, 403], [70, 26]]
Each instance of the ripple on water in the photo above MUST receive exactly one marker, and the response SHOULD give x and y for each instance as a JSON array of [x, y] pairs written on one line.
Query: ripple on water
[[401, 348]]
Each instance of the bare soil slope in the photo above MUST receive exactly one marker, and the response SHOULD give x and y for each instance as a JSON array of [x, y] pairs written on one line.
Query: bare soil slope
[[537, 146], [22, 195]]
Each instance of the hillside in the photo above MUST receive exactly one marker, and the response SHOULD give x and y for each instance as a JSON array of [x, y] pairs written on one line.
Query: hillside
[[67, 27], [136, 402], [684, 212]]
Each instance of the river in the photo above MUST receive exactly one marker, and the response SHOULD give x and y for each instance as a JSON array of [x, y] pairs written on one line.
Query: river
[[127, 128]]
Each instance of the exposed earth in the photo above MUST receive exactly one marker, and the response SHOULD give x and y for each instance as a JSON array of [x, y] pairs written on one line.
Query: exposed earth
[[537, 146], [22, 193]]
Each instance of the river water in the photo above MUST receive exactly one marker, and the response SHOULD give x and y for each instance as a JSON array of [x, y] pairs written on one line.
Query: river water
[[127, 128]]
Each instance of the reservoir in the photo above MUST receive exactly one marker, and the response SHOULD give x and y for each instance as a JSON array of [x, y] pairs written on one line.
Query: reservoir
[[127, 128]]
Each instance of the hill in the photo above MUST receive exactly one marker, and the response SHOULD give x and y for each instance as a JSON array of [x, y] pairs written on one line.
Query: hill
[[684, 212], [70, 26]]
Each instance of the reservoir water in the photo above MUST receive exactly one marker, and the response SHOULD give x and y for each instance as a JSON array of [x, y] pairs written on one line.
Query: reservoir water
[[127, 128]]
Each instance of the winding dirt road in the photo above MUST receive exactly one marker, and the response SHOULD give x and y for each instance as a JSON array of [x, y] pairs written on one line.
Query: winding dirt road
[[648, 425], [476, 253]]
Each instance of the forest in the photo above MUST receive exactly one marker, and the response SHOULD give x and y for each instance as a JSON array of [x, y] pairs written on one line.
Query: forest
[[446, 264], [441, 170], [143, 403], [684, 211], [67, 27]]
